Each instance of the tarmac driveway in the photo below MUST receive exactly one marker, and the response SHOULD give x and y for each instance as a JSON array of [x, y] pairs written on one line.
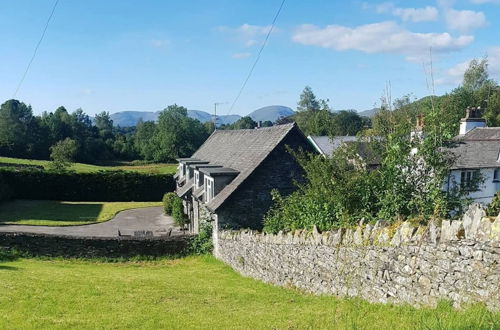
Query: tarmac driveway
[[142, 222]]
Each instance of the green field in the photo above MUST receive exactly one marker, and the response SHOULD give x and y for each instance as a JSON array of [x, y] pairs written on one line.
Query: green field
[[191, 293], [57, 213], [79, 167]]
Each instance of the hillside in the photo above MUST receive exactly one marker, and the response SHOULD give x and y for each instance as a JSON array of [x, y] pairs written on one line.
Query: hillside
[[131, 118], [271, 113]]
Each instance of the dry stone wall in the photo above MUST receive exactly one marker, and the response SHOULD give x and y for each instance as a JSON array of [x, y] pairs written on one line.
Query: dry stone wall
[[419, 265]]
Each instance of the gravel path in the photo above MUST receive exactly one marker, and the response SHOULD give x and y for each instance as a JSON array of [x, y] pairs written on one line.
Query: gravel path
[[135, 222]]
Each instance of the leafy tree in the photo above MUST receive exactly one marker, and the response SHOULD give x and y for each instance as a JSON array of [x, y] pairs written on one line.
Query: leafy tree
[[63, 154], [267, 123], [308, 101], [244, 123], [143, 139], [104, 125], [16, 122], [177, 135]]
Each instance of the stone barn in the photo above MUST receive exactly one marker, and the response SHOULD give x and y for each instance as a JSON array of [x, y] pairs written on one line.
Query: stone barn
[[230, 178]]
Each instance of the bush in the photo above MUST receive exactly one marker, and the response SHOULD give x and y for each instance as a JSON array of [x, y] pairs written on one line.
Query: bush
[[168, 201], [494, 207], [202, 243], [178, 212], [106, 186], [5, 192]]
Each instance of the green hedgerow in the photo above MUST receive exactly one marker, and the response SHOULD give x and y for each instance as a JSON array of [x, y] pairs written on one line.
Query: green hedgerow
[[168, 201]]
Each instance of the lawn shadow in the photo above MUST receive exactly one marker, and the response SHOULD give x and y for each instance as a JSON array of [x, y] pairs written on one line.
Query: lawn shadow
[[18, 210], [4, 267]]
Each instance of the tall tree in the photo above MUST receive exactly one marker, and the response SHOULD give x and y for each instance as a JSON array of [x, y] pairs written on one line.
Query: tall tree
[[308, 101], [16, 120]]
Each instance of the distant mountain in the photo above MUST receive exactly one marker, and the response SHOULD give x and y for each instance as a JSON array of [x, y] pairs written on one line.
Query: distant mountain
[[369, 113], [131, 118], [271, 113]]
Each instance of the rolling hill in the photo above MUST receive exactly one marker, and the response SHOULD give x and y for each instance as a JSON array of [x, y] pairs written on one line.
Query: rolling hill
[[271, 113]]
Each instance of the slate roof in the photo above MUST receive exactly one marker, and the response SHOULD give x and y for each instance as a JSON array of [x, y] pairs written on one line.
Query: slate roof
[[483, 133], [242, 150], [185, 188], [326, 145], [478, 148]]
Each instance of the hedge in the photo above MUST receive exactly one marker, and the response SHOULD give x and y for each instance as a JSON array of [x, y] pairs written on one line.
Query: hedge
[[105, 186]]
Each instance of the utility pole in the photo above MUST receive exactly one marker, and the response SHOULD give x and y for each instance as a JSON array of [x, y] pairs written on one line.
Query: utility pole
[[215, 114]]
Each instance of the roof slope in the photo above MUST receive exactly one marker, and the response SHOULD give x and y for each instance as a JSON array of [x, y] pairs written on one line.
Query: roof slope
[[478, 148], [476, 154], [327, 145], [242, 150], [482, 133]]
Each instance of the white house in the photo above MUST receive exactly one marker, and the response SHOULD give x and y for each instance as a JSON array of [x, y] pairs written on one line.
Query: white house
[[477, 152]]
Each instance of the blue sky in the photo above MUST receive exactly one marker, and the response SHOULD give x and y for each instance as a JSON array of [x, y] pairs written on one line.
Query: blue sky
[[145, 55]]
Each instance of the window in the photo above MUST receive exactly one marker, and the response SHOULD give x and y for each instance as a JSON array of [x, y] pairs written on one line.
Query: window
[[469, 179], [196, 179], [209, 189], [496, 175]]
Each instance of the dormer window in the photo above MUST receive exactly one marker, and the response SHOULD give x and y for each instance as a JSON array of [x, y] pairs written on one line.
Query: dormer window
[[209, 189]]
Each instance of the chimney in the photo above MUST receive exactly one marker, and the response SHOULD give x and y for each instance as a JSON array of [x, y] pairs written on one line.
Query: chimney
[[472, 120]]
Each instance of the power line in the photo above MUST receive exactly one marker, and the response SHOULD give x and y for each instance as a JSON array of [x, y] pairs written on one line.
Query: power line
[[36, 48], [258, 57]]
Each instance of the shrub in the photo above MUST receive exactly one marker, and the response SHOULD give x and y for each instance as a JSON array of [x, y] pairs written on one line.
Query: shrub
[[178, 212], [494, 207], [168, 201], [106, 186], [62, 154], [5, 192], [202, 243]]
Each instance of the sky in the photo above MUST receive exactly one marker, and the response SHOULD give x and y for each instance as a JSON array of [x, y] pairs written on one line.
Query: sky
[[145, 55]]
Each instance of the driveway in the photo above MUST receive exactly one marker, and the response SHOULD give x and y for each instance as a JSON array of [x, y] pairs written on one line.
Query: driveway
[[142, 222]]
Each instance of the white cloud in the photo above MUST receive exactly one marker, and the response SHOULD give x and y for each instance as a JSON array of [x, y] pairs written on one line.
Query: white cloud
[[248, 34], [384, 37], [464, 20], [160, 43], [241, 55], [427, 13], [454, 75], [417, 14]]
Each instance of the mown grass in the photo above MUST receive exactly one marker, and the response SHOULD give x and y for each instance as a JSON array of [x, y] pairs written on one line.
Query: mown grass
[[85, 168], [192, 293], [57, 213]]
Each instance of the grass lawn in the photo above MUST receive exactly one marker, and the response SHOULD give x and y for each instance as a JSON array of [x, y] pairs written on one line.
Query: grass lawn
[[79, 167], [56, 213], [195, 292]]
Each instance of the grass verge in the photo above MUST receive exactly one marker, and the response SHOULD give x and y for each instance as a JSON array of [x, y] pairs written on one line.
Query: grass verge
[[85, 168], [57, 213], [192, 293]]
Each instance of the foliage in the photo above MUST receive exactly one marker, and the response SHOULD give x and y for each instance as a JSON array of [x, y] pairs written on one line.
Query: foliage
[[194, 293], [494, 207], [338, 193], [168, 202], [202, 243], [242, 123], [315, 117], [61, 213], [62, 154], [180, 218], [95, 186]]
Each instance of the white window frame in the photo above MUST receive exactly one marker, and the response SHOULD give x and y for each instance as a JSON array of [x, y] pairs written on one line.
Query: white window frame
[[209, 188], [467, 177], [496, 175], [196, 179]]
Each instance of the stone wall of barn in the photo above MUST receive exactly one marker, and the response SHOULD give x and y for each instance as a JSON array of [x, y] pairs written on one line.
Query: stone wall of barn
[[419, 265], [246, 207]]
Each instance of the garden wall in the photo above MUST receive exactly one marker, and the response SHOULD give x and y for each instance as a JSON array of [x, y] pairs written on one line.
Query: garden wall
[[456, 260], [91, 247]]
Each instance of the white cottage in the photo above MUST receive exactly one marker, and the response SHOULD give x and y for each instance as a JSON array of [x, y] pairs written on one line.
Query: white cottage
[[477, 152]]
